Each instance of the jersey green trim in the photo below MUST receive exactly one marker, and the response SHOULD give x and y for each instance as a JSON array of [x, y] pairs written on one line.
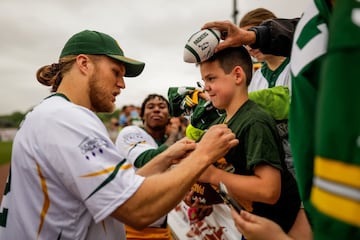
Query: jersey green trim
[[60, 95], [109, 179], [272, 76], [146, 156]]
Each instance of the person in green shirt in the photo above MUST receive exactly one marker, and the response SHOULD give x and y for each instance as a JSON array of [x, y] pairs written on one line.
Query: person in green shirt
[[261, 176], [324, 148]]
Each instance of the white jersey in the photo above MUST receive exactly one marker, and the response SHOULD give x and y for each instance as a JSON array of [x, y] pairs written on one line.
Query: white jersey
[[281, 76], [66, 177], [133, 141]]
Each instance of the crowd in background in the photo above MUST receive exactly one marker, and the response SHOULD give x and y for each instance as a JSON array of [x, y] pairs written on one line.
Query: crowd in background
[[250, 134], [130, 115]]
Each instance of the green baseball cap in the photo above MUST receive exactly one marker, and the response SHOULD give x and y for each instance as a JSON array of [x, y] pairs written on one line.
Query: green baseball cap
[[97, 43]]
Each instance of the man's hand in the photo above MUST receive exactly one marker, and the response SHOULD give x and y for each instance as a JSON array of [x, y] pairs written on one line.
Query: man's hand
[[254, 227], [179, 150], [216, 142], [232, 35]]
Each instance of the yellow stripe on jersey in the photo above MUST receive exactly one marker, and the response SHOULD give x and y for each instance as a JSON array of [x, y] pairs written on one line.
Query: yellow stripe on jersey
[[338, 207], [107, 170], [103, 225], [148, 233], [336, 171], [120, 166], [336, 184], [46, 204], [135, 144]]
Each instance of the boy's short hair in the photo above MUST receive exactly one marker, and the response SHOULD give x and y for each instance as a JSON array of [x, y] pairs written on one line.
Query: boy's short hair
[[234, 56]]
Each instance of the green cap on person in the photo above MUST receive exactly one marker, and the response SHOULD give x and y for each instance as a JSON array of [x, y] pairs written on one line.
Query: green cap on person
[[97, 43]]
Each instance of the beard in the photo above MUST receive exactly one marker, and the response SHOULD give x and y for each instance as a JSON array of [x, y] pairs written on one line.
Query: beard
[[100, 99]]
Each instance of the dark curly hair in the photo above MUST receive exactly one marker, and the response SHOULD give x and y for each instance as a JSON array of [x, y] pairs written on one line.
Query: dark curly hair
[[150, 97]]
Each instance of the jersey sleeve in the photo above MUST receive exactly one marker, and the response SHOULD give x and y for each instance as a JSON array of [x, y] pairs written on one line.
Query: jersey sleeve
[[337, 133], [88, 165], [132, 141], [146, 156]]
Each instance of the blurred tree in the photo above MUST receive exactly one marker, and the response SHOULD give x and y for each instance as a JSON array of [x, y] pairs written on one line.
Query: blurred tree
[[11, 121]]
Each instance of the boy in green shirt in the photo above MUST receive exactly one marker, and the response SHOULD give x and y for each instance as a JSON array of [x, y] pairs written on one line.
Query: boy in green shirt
[[260, 176]]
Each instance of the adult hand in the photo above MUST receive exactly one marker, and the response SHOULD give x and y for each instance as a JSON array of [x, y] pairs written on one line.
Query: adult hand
[[232, 35], [254, 227], [179, 150], [216, 142], [204, 95]]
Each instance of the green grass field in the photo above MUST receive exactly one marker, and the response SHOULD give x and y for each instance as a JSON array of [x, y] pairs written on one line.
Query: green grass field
[[5, 152]]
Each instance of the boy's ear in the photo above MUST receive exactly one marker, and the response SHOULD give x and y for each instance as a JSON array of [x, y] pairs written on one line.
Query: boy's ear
[[239, 74]]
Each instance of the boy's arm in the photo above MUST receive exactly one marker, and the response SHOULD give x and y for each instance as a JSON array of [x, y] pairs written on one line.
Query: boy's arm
[[264, 186]]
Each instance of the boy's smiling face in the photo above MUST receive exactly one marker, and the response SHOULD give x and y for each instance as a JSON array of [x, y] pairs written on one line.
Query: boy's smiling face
[[220, 86]]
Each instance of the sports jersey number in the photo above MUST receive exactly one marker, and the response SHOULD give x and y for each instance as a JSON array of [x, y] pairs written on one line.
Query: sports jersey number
[[310, 40], [4, 213]]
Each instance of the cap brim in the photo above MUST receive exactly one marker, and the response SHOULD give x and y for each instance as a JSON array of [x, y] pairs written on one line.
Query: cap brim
[[133, 67]]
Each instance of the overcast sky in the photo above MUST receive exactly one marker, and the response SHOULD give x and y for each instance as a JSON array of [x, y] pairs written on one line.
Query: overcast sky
[[154, 31]]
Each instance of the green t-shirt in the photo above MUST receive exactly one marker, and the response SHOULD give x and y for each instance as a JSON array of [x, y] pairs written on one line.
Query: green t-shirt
[[259, 143]]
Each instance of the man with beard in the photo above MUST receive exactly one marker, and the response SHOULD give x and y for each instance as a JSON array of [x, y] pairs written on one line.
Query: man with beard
[[67, 179]]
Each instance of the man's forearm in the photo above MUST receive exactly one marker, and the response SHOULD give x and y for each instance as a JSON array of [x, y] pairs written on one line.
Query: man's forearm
[[162, 192]]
